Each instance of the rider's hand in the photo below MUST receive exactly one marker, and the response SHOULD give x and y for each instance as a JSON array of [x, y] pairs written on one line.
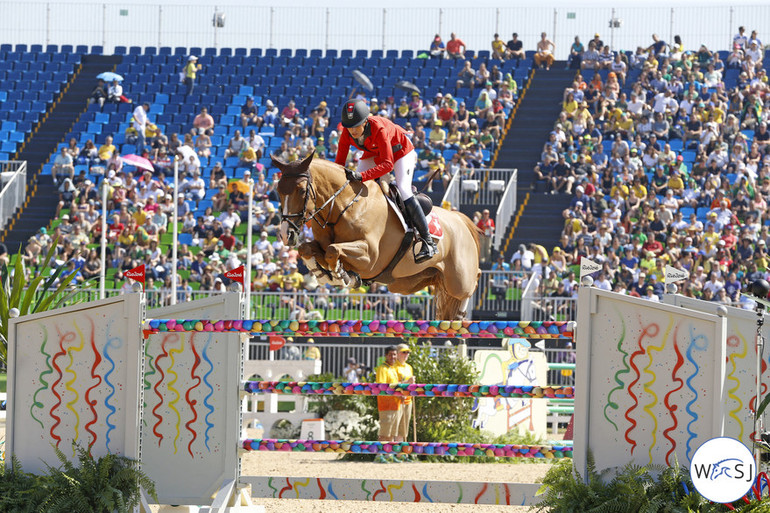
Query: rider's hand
[[353, 176]]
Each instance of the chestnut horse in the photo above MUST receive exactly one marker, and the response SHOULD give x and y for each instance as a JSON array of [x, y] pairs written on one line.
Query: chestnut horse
[[357, 233]]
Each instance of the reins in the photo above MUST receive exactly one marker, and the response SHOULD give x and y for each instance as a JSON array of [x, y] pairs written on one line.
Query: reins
[[316, 213]]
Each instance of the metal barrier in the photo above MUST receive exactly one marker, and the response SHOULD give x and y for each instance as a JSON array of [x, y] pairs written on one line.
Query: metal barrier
[[451, 197], [499, 291], [13, 188], [506, 210], [544, 308]]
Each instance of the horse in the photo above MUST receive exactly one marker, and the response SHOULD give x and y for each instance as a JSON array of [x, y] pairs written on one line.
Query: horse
[[357, 237]]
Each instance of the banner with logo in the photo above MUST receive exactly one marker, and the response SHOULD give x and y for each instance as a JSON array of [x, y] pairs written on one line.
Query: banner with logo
[[137, 274], [588, 267], [674, 275], [236, 274]]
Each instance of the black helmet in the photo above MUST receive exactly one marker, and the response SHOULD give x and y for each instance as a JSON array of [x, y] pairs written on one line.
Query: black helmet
[[354, 113]]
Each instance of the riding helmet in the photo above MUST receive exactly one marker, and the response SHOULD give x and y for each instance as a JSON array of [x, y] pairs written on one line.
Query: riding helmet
[[354, 113]]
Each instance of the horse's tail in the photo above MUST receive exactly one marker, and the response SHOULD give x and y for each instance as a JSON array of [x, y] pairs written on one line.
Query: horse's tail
[[472, 228], [447, 306], [451, 306]]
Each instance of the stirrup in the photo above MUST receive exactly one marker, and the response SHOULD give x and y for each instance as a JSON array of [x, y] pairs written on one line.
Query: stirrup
[[427, 251]]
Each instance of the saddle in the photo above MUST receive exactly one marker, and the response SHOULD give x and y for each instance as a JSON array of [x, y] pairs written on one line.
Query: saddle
[[395, 197]]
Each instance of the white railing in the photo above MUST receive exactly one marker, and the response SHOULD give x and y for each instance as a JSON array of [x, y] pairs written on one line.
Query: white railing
[[528, 296], [177, 24], [451, 197], [13, 188], [506, 210], [499, 291], [546, 308]]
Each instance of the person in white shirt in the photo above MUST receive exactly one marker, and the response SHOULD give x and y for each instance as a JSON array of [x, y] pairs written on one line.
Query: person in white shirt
[[140, 124], [115, 92], [755, 54], [526, 256], [230, 219], [257, 142], [264, 246], [713, 284], [635, 106], [603, 283], [687, 103], [740, 38], [665, 103], [194, 187]]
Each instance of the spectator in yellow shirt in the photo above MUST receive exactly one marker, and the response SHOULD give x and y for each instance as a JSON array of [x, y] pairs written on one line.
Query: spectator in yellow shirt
[[675, 182], [106, 150], [405, 375], [389, 407]]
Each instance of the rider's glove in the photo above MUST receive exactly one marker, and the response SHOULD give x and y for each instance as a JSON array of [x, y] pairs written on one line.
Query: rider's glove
[[353, 176]]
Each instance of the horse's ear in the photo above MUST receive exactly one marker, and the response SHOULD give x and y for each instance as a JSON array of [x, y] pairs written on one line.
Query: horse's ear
[[277, 162], [306, 163]]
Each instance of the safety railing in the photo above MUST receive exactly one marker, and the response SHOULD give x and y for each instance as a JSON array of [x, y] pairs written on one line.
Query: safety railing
[[506, 209], [500, 291], [13, 188]]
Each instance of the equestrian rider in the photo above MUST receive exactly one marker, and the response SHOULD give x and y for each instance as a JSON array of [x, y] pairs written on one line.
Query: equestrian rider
[[385, 146]]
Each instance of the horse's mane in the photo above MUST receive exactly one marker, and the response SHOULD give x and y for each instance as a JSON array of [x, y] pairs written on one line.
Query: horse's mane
[[292, 172]]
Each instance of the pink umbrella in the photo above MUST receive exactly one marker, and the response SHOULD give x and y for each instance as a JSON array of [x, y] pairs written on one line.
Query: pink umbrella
[[137, 161]]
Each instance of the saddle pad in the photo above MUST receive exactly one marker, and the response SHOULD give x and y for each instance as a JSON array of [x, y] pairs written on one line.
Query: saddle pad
[[434, 225], [397, 211]]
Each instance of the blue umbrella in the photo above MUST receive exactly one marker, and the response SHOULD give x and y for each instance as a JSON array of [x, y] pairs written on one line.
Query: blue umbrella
[[109, 76]]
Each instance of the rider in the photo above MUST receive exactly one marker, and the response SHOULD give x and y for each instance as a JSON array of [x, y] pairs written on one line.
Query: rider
[[386, 147]]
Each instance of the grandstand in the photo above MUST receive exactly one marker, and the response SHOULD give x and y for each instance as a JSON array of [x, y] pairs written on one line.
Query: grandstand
[[45, 105]]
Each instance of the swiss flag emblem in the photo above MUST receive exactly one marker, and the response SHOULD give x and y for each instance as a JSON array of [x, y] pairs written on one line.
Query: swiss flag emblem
[[434, 226]]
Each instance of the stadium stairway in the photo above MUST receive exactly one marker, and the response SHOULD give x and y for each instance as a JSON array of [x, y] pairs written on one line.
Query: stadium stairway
[[41, 193], [539, 218]]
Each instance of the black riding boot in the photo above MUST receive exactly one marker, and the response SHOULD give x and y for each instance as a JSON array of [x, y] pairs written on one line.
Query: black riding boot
[[428, 248]]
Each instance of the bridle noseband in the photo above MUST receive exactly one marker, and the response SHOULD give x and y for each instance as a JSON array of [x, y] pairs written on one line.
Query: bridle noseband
[[306, 216]]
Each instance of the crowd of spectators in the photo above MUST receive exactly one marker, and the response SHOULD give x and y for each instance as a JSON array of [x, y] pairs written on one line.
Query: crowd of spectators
[[666, 156], [213, 238]]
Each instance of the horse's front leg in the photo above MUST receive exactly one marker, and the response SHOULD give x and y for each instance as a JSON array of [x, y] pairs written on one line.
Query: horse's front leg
[[314, 257], [354, 254]]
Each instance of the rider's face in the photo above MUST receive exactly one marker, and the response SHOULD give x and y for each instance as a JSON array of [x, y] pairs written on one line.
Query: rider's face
[[356, 131]]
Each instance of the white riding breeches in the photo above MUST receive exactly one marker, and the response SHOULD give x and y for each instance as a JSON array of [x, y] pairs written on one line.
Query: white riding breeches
[[403, 169]]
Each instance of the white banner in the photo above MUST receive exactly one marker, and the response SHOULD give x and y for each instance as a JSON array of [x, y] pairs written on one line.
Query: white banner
[[674, 275], [588, 267]]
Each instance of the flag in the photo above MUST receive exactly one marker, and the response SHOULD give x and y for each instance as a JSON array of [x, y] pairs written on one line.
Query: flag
[[588, 267], [236, 275], [136, 274], [674, 275]]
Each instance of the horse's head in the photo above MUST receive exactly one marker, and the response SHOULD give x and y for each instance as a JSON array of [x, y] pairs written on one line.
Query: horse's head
[[294, 190]]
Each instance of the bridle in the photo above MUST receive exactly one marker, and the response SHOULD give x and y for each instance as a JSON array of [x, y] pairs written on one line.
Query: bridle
[[315, 215]]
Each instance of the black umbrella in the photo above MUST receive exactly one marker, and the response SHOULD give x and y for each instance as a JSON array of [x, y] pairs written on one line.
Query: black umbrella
[[408, 86], [362, 79]]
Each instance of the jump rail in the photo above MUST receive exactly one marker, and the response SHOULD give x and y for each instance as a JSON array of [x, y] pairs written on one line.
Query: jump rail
[[455, 329], [424, 448], [406, 389]]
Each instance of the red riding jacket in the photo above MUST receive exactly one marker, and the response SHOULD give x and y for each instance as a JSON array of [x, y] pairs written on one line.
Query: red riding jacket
[[384, 140]]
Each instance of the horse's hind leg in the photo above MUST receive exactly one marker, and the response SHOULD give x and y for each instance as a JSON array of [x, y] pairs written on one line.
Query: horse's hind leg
[[463, 313]]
